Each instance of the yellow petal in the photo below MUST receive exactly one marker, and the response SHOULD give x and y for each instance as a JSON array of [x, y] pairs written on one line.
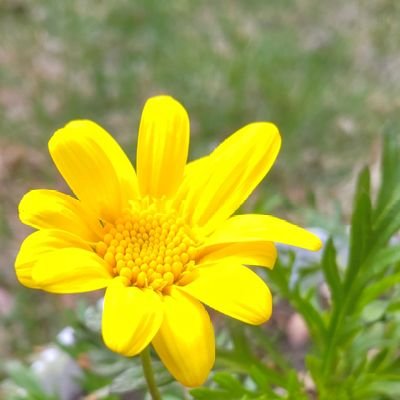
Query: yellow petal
[[95, 167], [262, 254], [185, 342], [70, 270], [254, 227], [234, 290], [231, 173], [131, 318], [44, 209], [163, 144], [193, 170], [37, 245]]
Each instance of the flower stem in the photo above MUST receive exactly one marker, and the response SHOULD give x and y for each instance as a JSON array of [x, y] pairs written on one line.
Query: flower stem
[[149, 374]]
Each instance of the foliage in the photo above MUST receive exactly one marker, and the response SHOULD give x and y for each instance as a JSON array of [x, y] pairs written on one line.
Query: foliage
[[354, 337], [354, 329]]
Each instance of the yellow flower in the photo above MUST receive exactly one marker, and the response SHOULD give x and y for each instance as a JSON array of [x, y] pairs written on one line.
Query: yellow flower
[[162, 241]]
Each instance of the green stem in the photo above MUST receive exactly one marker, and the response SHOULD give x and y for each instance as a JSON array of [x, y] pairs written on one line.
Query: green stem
[[149, 374]]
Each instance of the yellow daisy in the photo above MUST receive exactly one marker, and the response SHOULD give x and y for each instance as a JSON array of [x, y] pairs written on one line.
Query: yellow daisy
[[161, 240]]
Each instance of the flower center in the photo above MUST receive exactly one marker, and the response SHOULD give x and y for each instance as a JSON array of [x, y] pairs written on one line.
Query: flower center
[[149, 246]]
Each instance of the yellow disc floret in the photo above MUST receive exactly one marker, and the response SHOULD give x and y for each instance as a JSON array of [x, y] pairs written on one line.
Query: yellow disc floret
[[149, 246]]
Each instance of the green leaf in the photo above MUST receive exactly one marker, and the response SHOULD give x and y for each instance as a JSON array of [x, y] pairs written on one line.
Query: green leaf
[[378, 386], [210, 394], [294, 387], [313, 364], [386, 224], [25, 379], [378, 262], [388, 388], [349, 329], [331, 272], [394, 306], [261, 377], [360, 228], [376, 289], [269, 377], [129, 380], [378, 360], [374, 311], [311, 315], [390, 169], [230, 383], [269, 343]]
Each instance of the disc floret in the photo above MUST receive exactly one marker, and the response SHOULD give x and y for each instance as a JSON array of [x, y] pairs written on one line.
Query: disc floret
[[149, 246]]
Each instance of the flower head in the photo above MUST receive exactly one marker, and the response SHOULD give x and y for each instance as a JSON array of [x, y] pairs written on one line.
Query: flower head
[[161, 240]]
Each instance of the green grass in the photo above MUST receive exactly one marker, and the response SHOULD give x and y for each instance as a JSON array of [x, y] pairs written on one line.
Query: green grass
[[325, 73]]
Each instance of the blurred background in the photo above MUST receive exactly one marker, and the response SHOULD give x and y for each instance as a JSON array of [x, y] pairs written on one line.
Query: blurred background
[[327, 73]]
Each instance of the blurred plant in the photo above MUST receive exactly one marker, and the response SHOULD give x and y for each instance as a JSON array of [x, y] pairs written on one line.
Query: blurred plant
[[351, 314], [354, 332]]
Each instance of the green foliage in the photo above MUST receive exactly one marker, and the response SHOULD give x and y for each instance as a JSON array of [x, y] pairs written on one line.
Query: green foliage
[[28, 384], [245, 375], [354, 333], [353, 327], [361, 324]]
